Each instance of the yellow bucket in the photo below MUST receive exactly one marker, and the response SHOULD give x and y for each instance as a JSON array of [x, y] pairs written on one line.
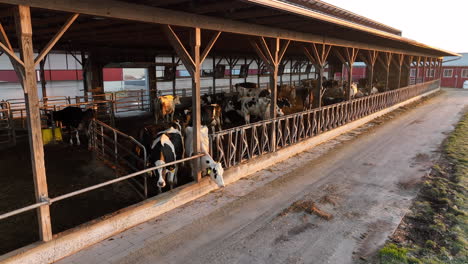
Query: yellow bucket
[[48, 135]]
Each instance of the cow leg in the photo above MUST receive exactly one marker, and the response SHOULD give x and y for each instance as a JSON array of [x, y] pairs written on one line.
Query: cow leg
[[77, 138], [247, 118], [71, 136]]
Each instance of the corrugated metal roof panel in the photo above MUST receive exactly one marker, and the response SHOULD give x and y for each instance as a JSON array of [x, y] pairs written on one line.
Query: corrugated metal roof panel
[[456, 61]]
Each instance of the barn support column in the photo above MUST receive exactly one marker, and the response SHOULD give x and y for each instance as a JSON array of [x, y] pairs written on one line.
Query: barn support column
[[24, 33], [290, 72], [193, 61], [152, 86], [418, 64], [350, 55], [369, 58], [214, 74], [424, 62], [175, 75], [318, 57], [84, 67], [232, 62], [406, 69], [272, 57], [401, 59], [94, 76], [43, 79], [385, 62]]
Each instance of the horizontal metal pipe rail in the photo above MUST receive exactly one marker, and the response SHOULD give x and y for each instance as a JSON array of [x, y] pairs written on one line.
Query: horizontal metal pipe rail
[[49, 201], [236, 145]]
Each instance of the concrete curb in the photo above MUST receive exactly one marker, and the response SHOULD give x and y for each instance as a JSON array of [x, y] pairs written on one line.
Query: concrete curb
[[78, 238]]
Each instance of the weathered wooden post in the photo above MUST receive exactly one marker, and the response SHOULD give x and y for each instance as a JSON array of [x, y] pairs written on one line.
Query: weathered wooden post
[[24, 33], [272, 57], [318, 57], [350, 55], [193, 61]]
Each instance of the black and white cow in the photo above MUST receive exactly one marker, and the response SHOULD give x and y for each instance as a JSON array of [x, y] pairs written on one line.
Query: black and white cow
[[247, 89], [208, 165], [167, 147], [74, 119]]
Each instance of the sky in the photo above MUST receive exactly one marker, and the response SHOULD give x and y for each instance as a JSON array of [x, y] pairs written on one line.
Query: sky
[[437, 23]]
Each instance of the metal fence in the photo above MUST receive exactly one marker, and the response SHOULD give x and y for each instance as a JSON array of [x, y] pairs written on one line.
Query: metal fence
[[105, 110], [234, 146], [7, 129], [240, 144], [121, 150]]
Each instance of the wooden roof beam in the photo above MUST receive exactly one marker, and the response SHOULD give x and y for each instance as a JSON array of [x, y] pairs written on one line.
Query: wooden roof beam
[[134, 12]]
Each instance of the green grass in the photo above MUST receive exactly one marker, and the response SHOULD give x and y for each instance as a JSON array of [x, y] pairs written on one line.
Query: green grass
[[436, 229]]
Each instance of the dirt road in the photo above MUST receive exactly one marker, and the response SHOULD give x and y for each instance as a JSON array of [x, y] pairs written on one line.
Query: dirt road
[[366, 184]]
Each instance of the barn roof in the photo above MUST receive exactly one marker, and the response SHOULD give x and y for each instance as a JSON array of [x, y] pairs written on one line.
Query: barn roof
[[455, 61], [135, 25], [329, 9]]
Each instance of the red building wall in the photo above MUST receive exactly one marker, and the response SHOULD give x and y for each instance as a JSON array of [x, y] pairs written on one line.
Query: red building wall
[[110, 74], [456, 80]]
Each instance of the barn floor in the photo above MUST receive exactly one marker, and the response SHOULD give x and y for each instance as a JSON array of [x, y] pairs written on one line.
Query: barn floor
[[335, 203], [68, 169]]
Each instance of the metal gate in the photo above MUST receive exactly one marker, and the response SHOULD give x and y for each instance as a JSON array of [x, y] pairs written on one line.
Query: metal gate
[[120, 150], [7, 129]]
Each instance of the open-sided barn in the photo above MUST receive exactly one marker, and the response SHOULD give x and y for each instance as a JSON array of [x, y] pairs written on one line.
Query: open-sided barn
[[120, 33]]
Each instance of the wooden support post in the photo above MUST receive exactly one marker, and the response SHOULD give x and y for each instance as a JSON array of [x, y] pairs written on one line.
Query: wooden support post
[[196, 100], [174, 80], [43, 79], [24, 33], [192, 61], [424, 61], [350, 55], [370, 58], [290, 72], [214, 74], [318, 57], [272, 57], [401, 59], [152, 86], [95, 76], [84, 67], [259, 67], [418, 61], [386, 63]]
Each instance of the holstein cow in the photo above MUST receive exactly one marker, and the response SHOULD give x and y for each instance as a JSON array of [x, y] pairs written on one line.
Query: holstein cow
[[164, 107], [247, 89], [287, 91], [74, 119], [208, 166], [167, 147], [211, 115]]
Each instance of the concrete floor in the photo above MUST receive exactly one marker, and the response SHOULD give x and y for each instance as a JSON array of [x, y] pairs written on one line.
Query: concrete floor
[[365, 179]]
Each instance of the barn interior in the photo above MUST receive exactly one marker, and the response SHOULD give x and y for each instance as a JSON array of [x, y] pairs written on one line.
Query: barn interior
[[128, 33]]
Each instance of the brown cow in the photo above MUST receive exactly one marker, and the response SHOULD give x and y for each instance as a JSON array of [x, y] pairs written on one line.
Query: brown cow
[[164, 107]]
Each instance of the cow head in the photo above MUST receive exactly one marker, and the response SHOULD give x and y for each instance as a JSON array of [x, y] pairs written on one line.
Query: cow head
[[160, 173], [279, 111], [214, 169], [177, 100]]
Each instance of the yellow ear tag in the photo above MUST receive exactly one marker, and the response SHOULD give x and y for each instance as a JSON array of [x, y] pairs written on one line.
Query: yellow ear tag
[[208, 171]]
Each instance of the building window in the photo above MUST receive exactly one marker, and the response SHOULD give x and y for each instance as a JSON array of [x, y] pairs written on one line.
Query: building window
[[464, 73], [413, 73], [448, 73], [430, 73]]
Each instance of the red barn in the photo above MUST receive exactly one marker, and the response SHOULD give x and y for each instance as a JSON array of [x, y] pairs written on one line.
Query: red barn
[[455, 71]]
